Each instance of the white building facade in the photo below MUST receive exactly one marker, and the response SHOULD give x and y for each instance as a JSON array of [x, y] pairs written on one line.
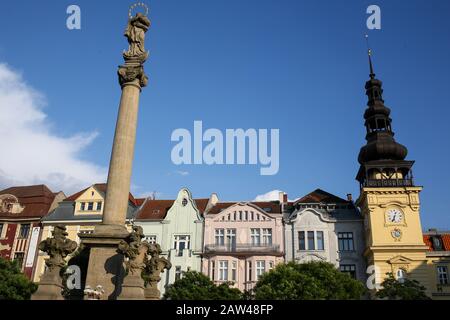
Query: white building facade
[[177, 226], [323, 227]]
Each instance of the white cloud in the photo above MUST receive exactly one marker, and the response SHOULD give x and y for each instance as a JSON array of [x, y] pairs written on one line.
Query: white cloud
[[31, 152], [269, 196]]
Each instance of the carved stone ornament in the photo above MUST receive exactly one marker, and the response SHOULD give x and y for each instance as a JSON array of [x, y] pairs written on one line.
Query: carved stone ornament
[[130, 73], [155, 265], [152, 272], [135, 251], [58, 248]]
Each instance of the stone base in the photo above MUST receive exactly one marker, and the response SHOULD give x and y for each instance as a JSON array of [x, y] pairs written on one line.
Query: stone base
[[50, 287], [152, 294], [132, 288], [105, 264]]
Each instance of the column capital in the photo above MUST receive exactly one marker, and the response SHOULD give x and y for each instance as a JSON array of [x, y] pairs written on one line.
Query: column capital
[[132, 74]]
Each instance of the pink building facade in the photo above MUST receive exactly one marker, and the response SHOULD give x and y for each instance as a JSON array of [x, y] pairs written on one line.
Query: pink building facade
[[242, 241]]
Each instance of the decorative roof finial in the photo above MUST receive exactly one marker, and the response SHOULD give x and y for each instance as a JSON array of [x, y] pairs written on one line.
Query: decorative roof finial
[[369, 52]]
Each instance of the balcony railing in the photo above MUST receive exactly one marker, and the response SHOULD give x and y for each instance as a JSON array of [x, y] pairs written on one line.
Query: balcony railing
[[243, 248], [388, 183]]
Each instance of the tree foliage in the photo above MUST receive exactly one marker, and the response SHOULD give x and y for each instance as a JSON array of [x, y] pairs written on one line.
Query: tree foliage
[[196, 286], [14, 285], [307, 281], [406, 289]]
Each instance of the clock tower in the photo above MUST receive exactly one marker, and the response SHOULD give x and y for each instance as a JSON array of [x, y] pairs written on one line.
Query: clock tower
[[389, 199]]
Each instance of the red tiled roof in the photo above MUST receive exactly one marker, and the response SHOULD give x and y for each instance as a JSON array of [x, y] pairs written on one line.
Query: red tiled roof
[[140, 201], [320, 196], [36, 199], [157, 209], [100, 187], [273, 206], [445, 241]]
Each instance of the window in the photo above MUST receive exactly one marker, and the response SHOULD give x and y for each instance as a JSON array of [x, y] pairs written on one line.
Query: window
[[18, 257], [233, 270], [1, 230], [24, 231], [90, 206], [260, 268], [250, 270], [231, 238], [301, 240], [99, 206], [223, 270], [349, 268], [220, 239], [345, 240], [267, 236], [319, 237], [400, 275], [437, 243], [271, 264], [311, 245], [181, 243], [83, 206], [177, 273], [184, 202], [442, 272], [213, 270], [151, 239], [256, 237]]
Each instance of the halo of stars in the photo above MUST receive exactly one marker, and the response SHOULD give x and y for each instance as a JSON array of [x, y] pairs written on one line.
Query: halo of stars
[[134, 6]]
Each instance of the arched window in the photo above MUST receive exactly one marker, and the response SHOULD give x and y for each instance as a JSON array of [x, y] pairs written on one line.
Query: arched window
[[401, 275]]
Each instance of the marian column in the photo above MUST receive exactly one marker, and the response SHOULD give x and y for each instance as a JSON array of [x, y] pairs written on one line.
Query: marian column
[[105, 264]]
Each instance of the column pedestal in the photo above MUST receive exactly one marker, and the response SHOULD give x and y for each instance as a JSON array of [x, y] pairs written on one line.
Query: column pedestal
[[50, 286], [105, 263], [132, 288]]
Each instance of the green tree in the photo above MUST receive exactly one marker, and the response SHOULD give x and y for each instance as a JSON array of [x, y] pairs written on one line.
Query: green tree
[[14, 285], [196, 286], [405, 289], [307, 281]]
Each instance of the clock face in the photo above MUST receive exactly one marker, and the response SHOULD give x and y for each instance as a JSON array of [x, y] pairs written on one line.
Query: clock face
[[395, 216]]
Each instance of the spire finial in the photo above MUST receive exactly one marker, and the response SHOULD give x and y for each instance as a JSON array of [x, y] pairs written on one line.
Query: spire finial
[[369, 52]]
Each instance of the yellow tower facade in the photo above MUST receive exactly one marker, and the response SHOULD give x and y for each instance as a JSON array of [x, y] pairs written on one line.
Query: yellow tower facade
[[389, 199]]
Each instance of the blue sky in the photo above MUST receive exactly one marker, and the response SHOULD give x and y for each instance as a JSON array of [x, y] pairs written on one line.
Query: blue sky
[[297, 66]]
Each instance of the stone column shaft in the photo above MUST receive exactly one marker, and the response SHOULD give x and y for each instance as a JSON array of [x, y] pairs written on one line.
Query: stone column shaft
[[119, 177]]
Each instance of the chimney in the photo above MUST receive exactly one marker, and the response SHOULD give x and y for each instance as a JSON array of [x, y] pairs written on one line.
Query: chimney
[[350, 197], [281, 196]]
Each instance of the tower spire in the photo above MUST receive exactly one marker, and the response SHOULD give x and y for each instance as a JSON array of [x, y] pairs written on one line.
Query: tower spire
[[381, 153], [369, 53]]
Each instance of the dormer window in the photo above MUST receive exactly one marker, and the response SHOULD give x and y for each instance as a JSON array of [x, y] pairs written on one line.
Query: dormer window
[[99, 206], [437, 243], [83, 206], [184, 202]]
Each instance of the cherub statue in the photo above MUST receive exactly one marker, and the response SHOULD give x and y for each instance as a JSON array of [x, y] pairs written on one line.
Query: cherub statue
[[153, 268], [58, 247], [135, 250]]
